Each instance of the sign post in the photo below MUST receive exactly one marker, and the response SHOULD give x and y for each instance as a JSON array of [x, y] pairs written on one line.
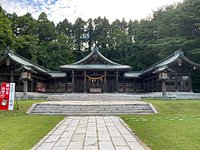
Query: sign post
[[7, 95]]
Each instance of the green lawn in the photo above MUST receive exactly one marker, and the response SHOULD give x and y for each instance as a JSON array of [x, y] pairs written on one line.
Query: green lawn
[[19, 131], [176, 127]]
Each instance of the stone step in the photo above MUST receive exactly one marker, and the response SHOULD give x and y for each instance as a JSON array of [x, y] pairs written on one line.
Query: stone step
[[64, 109]]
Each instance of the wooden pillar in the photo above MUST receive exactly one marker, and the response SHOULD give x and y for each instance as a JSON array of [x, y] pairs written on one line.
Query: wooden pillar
[[25, 89], [66, 83], [190, 83], [32, 81], [85, 82], [176, 83], [157, 84], [72, 81], [152, 85], [105, 82], [117, 80], [164, 89], [55, 86], [11, 77], [124, 85]]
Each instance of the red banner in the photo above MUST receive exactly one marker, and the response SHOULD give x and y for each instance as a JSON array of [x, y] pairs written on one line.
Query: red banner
[[7, 96]]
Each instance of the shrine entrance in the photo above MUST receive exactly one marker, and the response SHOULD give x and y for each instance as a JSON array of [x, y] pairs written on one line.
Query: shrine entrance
[[96, 82]]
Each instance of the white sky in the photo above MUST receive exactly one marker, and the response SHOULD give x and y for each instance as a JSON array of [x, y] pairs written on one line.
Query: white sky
[[57, 10]]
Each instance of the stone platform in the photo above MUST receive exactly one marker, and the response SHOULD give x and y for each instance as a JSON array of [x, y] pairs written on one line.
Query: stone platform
[[84, 108]]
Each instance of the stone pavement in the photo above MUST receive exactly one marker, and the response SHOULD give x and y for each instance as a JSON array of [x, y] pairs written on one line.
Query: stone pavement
[[90, 133]]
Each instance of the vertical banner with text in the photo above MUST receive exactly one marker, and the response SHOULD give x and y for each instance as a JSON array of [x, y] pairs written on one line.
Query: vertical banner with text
[[7, 94]]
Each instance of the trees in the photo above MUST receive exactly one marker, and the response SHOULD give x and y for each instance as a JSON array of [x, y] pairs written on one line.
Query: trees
[[136, 43], [46, 30], [6, 34]]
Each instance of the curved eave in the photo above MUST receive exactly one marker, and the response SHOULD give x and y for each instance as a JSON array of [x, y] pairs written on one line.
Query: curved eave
[[163, 63], [23, 61], [93, 53], [95, 67], [191, 62], [132, 74]]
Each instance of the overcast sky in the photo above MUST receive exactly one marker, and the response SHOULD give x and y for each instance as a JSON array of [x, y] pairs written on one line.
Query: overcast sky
[[57, 10]]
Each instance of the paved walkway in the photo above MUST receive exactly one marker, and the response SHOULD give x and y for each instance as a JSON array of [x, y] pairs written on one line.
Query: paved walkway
[[90, 133]]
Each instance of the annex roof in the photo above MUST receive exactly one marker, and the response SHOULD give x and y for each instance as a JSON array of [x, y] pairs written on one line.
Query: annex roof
[[57, 74], [178, 55], [95, 61], [163, 65], [23, 61], [132, 74]]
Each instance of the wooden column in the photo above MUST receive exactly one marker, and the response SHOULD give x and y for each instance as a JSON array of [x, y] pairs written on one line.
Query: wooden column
[[164, 89], [117, 79], [55, 86], [152, 84], [66, 83], [105, 82], [157, 84], [11, 77], [124, 85], [72, 81], [176, 83], [190, 83], [85, 82], [25, 97], [32, 81]]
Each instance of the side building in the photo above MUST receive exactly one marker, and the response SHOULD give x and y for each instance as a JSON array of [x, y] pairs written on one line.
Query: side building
[[97, 74]]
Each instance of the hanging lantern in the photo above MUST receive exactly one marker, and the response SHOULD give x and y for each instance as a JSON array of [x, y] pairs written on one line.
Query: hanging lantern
[[7, 62], [163, 75], [179, 62], [29, 75], [24, 75]]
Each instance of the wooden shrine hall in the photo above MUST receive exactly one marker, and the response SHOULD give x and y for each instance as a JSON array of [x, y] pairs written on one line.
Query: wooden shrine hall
[[97, 74]]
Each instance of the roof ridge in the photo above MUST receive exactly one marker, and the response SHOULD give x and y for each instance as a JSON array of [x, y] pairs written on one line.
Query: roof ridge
[[178, 52], [93, 52]]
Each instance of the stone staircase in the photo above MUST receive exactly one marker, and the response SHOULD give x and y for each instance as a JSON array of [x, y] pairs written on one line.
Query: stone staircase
[[91, 108]]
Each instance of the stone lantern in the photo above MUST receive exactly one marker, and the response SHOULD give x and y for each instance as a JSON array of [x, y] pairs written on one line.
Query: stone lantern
[[25, 76], [163, 74]]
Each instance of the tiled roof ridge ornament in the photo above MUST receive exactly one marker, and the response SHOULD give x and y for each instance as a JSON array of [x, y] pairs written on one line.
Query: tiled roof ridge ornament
[[8, 50], [179, 52], [95, 49]]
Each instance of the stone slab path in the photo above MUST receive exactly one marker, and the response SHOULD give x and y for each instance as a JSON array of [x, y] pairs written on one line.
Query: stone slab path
[[90, 133]]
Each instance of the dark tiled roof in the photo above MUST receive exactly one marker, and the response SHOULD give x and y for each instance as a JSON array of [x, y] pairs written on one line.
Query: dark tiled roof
[[57, 74], [82, 64], [163, 64], [23, 61]]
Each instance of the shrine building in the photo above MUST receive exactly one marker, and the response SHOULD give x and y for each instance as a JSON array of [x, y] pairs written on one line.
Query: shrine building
[[97, 74]]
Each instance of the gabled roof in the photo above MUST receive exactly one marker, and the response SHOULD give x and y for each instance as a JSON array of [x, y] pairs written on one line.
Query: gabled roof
[[86, 64], [96, 52], [178, 55], [163, 64], [23, 61]]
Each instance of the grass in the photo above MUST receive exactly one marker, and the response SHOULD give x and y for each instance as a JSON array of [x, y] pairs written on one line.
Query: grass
[[19, 131], [175, 127]]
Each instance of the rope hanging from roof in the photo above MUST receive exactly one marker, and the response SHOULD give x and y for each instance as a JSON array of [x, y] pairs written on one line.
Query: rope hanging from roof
[[95, 78]]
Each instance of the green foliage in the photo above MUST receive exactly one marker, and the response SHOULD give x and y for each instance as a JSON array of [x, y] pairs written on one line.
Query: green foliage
[[135, 43], [6, 34]]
